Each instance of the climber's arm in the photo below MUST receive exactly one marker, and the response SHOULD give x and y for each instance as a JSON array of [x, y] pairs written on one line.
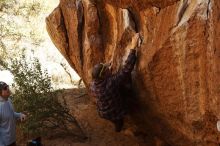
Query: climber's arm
[[126, 69], [129, 63]]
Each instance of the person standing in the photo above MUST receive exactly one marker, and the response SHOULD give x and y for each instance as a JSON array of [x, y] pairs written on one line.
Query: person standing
[[8, 117]]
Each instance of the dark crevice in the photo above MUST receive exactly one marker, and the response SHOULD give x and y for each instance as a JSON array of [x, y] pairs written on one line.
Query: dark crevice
[[135, 18], [208, 43], [67, 40], [182, 10], [158, 10], [65, 32], [206, 33], [104, 25], [207, 12], [80, 28]]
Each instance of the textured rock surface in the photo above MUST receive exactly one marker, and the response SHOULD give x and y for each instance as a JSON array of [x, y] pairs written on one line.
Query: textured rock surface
[[176, 78]]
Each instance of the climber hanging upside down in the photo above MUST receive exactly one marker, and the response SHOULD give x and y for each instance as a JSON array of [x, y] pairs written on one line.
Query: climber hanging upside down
[[106, 87]]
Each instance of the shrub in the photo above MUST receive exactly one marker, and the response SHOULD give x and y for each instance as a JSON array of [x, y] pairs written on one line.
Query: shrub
[[34, 95]]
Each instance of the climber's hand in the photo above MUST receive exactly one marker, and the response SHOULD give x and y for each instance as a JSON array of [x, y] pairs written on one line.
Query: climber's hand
[[135, 41]]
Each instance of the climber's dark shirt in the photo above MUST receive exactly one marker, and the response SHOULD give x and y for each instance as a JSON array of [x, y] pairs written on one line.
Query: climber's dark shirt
[[110, 103]]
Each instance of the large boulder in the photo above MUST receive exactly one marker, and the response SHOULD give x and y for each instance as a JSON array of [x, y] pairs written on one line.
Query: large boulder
[[177, 75]]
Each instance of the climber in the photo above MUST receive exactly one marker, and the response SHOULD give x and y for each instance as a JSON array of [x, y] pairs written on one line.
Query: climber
[[106, 87]]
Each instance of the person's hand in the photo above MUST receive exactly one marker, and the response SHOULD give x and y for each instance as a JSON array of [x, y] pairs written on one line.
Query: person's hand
[[23, 117], [135, 41]]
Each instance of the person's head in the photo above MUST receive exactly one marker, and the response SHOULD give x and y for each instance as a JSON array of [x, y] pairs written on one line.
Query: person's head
[[4, 90], [100, 71]]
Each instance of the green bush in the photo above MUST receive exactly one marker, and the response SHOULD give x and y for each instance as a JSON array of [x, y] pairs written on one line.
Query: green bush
[[34, 95]]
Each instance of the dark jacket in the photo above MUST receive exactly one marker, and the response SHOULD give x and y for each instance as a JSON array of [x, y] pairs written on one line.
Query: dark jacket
[[110, 103]]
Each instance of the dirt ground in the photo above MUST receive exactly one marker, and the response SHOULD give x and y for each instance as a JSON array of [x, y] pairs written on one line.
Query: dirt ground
[[99, 132]]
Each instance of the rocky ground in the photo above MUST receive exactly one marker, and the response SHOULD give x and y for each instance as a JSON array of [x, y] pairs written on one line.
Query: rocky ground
[[98, 131]]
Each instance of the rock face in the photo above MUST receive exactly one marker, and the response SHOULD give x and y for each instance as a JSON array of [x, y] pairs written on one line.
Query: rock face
[[177, 75]]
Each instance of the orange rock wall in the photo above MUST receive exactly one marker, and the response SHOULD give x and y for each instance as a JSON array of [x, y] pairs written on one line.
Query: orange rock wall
[[177, 75]]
